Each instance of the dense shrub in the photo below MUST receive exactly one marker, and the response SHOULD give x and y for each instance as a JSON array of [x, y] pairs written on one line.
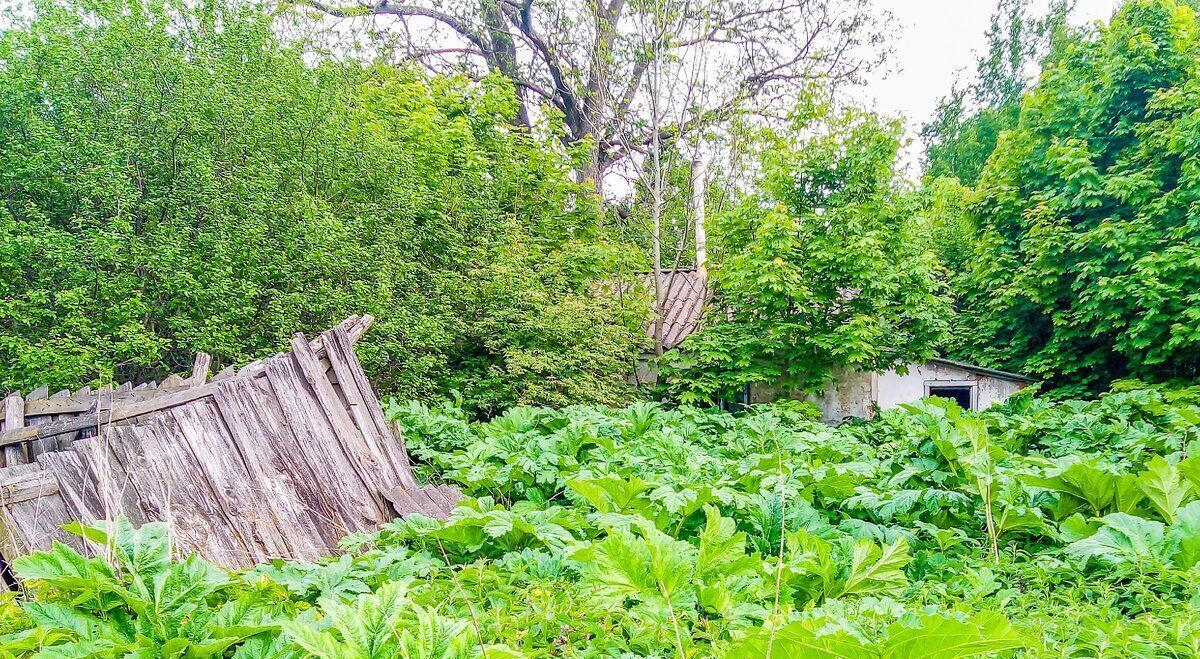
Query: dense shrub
[[174, 181]]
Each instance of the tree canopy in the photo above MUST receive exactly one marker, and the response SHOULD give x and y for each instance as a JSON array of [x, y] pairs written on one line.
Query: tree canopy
[[1088, 260], [586, 66], [823, 267], [177, 179], [967, 124]]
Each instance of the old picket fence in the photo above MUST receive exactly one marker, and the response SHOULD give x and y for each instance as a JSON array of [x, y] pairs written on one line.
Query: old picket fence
[[279, 459]]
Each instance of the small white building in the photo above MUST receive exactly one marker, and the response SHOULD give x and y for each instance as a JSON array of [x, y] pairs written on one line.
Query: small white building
[[852, 394]]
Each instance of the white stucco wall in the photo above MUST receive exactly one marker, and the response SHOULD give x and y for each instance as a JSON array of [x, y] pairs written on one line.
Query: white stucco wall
[[855, 394], [896, 388]]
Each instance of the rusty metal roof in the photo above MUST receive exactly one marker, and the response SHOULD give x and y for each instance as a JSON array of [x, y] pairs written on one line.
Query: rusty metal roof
[[686, 297]]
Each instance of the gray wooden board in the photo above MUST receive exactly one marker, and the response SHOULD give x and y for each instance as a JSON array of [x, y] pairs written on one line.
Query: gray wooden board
[[355, 508], [14, 422], [278, 460], [364, 460], [275, 463], [112, 481], [32, 511], [172, 485], [248, 503], [44, 444], [366, 407], [75, 488], [109, 413]]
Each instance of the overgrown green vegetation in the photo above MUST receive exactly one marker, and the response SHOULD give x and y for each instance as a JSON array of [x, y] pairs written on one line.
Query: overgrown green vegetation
[[1044, 529], [1085, 257], [179, 179], [826, 267]]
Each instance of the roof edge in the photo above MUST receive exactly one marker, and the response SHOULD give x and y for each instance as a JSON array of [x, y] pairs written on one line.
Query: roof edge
[[983, 370]]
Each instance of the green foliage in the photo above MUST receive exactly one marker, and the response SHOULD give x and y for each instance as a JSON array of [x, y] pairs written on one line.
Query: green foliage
[[138, 604], [825, 268], [967, 124], [655, 532], [177, 179], [1086, 263]]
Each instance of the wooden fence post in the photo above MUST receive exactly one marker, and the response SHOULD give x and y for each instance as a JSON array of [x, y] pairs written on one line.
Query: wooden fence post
[[14, 418]]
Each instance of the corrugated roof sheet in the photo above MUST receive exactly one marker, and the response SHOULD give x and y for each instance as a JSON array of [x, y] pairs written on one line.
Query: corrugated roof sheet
[[687, 294]]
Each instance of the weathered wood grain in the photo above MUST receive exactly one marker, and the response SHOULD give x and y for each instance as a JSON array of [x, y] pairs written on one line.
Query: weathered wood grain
[[276, 467], [108, 413], [14, 424], [112, 482], [279, 459], [363, 455], [71, 480], [352, 504], [218, 458], [200, 369], [365, 407], [37, 447], [169, 480], [31, 511]]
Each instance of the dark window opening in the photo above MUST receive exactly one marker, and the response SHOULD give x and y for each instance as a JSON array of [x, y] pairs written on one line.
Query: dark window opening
[[740, 401], [960, 395]]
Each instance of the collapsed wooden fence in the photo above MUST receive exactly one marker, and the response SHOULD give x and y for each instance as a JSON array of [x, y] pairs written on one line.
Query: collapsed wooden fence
[[278, 459]]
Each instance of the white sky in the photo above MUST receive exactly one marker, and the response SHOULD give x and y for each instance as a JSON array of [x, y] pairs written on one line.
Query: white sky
[[935, 40]]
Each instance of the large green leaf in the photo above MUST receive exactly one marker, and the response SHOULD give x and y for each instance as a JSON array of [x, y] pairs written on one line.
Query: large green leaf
[[1088, 481], [1125, 539], [802, 639], [1185, 533], [947, 637], [1164, 487], [875, 569]]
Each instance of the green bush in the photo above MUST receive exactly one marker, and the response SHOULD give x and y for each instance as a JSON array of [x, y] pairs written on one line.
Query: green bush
[[174, 181]]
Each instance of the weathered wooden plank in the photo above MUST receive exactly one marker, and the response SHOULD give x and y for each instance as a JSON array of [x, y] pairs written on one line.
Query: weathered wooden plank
[[363, 454], [295, 496], [354, 326], [73, 485], [108, 413], [32, 512], [353, 504], [80, 403], [14, 453], [215, 453], [43, 445], [112, 482], [200, 368], [403, 501], [366, 408], [172, 485], [279, 459], [21, 483], [452, 496], [64, 440]]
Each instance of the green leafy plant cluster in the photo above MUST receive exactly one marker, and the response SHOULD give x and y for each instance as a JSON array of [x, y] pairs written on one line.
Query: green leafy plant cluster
[[825, 267], [1086, 257], [178, 178], [655, 532]]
